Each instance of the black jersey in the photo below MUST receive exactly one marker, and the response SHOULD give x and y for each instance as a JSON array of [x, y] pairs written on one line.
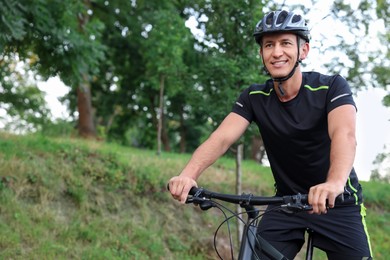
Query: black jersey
[[295, 133]]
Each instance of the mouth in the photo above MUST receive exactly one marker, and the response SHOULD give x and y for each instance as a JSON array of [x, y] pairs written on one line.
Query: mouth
[[278, 63]]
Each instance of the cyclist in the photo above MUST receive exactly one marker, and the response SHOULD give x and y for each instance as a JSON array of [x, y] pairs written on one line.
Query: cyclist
[[307, 122]]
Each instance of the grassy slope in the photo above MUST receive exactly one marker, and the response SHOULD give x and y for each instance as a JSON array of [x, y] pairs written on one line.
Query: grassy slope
[[72, 199]]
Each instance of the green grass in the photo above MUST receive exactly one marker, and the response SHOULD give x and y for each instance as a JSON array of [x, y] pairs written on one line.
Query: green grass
[[76, 199]]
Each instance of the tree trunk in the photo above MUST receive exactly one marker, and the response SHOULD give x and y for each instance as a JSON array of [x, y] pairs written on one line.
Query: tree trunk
[[239, 156], [86, 126], [183, 134], [164, 135], [258, 150], [160, 114]]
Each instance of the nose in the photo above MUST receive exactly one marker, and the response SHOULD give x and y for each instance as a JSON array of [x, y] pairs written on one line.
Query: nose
[[277, 50]]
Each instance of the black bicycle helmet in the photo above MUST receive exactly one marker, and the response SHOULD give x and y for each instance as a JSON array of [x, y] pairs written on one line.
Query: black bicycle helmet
[[281, 21]]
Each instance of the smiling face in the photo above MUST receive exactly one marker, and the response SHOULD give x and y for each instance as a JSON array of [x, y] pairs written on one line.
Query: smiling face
[[280, 53]]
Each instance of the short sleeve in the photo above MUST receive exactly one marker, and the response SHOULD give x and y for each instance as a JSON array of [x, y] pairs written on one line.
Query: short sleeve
[[243, 107], [339, 94]]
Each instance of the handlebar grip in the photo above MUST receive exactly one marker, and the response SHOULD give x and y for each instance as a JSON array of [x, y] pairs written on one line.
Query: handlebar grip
[[192, 191], [304, 198]]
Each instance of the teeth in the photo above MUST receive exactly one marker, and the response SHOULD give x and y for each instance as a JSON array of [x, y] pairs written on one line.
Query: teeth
[[279, 62]]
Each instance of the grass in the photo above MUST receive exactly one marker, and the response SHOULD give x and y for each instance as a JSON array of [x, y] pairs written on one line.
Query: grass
[[75, 199]]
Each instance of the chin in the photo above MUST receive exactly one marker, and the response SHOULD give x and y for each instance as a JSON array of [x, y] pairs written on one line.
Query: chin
[[279, 75]]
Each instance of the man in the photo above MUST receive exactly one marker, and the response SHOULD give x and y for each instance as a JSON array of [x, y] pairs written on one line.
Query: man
[[307, 122]]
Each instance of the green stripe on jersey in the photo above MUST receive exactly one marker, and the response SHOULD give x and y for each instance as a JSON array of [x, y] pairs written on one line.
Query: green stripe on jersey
[[318, 88], [261, 92]]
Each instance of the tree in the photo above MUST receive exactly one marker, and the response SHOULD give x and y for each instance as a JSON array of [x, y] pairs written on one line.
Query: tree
[[169, 65], [144, 75], [231, 59], [381, 161], [365, 66], [20, 97], [147, 52], [56, 38]]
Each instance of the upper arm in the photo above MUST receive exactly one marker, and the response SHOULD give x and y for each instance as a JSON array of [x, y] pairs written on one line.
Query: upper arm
[[342, 120], [231, 129]]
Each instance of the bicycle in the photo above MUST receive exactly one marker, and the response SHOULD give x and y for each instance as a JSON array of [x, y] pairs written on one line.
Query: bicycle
[[290, 204]]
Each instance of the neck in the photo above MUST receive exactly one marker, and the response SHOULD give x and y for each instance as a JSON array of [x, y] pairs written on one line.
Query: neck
[[290, 87]]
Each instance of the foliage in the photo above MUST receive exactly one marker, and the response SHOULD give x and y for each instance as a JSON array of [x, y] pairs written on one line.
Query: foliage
[[365, 59], [381, 161], [48, 36], [57, 38], [126, 51], [20, 98]]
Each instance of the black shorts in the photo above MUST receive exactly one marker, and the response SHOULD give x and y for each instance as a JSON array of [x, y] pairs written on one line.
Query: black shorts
[[342, 231]]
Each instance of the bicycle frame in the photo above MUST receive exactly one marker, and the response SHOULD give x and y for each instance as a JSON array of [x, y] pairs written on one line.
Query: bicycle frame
[[250, 237]]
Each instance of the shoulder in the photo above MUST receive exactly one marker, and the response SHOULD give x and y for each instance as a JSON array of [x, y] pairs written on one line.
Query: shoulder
[[334, 89], [260, 89], [317, 79]]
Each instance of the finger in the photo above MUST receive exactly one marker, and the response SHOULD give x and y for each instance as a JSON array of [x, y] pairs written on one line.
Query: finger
[[313, 200], [176, 192], [186, 189], [322, 202], [175, 187], [184, 194], [331, 200]]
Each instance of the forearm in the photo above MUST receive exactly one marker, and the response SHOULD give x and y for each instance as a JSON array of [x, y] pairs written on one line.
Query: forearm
[[342, 156], [204, 156], [230, 130], [341, 124]]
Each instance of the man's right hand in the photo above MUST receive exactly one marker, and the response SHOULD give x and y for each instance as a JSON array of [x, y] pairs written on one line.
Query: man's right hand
[[179, 187]]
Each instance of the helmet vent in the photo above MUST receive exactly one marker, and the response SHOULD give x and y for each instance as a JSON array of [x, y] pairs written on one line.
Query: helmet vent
[[296, 18], [269, 19], [281, 17]]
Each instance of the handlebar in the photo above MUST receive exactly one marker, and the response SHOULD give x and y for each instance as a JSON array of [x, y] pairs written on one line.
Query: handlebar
[[291, 204]]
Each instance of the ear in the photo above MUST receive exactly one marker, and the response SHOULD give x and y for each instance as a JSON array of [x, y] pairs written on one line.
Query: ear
[[304, 51], [261, 54]]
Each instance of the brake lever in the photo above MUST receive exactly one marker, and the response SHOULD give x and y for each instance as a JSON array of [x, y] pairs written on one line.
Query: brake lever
[[204, 204], [194, 200], [295, 208]]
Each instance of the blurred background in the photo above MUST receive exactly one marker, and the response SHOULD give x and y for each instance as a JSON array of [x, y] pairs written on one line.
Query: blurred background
[[102, 101], [163, 75]]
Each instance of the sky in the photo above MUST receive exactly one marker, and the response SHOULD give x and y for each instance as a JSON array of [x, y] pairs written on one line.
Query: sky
[[373, 119], [373, 130]]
